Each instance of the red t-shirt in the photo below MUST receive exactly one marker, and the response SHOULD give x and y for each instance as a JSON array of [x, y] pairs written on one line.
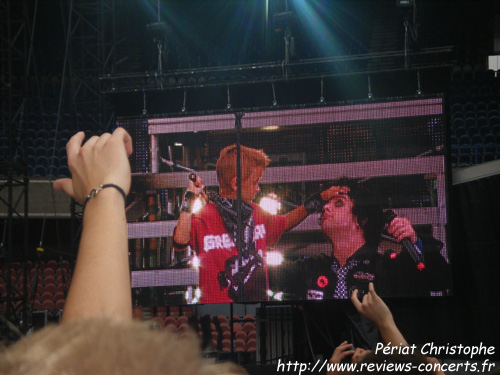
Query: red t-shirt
[[214, 247]]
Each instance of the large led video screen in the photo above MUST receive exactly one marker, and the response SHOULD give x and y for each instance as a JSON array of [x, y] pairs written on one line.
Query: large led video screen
[[332, 198]]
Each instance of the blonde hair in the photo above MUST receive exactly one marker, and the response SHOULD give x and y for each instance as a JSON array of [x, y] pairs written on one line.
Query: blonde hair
[[104, 346], [251, 159]]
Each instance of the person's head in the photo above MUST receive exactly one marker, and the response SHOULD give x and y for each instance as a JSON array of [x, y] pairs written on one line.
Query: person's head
[[357, 207], [253, 163], [103, 346]]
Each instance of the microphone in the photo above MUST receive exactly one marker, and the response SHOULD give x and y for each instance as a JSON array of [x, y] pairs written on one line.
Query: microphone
[[415, 253]]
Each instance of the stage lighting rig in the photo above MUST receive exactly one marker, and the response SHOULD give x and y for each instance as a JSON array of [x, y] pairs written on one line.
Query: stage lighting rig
[[159, 31], [284, 23], [408, 9]]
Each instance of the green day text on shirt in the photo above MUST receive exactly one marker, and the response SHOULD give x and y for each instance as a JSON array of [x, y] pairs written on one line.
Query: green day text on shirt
[[224, 241]]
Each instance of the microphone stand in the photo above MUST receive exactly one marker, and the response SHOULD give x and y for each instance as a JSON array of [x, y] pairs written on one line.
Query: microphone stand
[[239, 235]]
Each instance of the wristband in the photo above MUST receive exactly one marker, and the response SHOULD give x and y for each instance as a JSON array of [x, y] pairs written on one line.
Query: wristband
[[314, 203], [188, 201], [93, 193]]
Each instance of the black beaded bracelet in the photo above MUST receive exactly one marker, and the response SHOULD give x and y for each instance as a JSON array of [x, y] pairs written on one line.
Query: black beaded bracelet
[[94, 192]]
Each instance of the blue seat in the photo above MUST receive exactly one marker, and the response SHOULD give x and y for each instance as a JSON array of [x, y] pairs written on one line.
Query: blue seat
[[463, 160], [493, 112], [53, 152], [495, 129], [493, 105], [494, 120], [40, 151], [476, 140], [54, 160], [485, 129], [458, 123], [472, 131], [62, 142], [42, 160], [469, 107], [52, 142], [464, 140], [488, 156], [40, 142], [31, 161], [454, 160], [455, 115], [456, 107], [453, 140], [481, 121], [481, 106], [39, 171], [53, 171], [489, 138], [42, 133], [460, 131], [64, 171], [470, 121]]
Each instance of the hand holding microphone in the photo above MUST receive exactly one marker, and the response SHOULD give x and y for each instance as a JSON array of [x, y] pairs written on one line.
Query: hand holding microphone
[[194, 190], [402, 230]]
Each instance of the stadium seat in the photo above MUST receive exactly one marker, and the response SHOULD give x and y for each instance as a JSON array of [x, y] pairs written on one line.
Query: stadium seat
[[476, 140], [485, 129], [481, 121], [464, 160], [472, 131]]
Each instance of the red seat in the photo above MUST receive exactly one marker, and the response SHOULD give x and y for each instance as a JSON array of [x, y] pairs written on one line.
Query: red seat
[[171, 320], [37, 305], [239, 345], [240, 335], [158, 322], [252, 335], [224, 327], [47, 296], [251, 345], [237, 327], [59, 296], [226, 345], [226, 335], [51, 264], [184, 328], [248, 326], [249, 318], [60, 304], [48, 305], [49, 280], [222, 319], [50, 287], [182, 320], [49, 272]]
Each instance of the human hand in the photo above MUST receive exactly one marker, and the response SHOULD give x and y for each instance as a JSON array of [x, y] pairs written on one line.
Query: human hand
[[372, 307], [333, 192], [101, 160], [401, 228], [197, 188], [359, 355], [339, 354]]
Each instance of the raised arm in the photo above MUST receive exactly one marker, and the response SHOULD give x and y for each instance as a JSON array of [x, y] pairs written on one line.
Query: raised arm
[[375, 309], [101, 281], [182, 232]]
